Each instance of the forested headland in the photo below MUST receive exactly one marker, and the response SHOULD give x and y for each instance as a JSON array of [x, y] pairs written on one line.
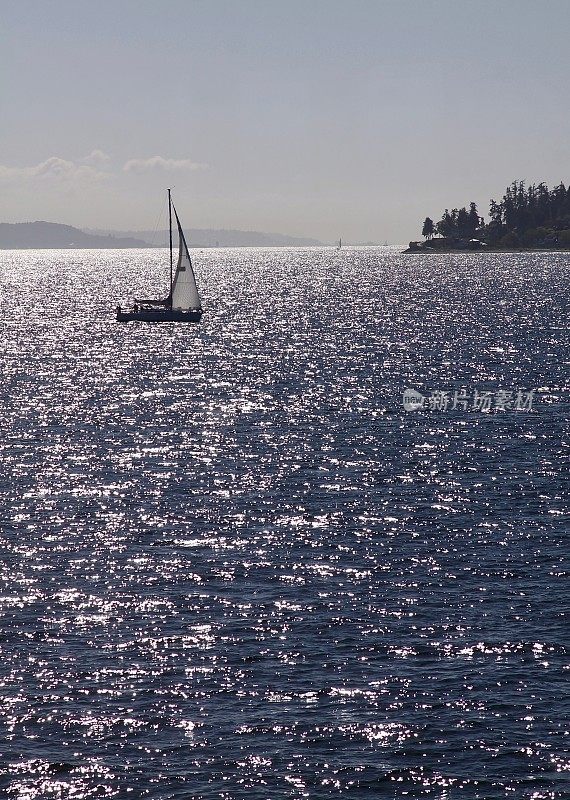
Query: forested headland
[[526, 217]]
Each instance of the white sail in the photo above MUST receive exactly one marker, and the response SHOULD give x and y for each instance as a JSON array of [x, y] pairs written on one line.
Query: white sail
[[184, 290]]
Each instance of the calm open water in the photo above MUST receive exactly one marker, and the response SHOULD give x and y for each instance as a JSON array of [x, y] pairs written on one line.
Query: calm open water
[[234, 567]]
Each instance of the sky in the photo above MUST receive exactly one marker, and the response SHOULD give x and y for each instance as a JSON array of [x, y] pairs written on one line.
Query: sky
[[319, 118]]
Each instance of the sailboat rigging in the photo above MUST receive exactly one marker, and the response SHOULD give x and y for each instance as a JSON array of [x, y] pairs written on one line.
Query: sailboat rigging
[[183, 301]]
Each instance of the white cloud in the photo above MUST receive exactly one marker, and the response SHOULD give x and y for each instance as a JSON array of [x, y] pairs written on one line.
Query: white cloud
[[96, 158], [92, 167], [53, 168], [158, 163]]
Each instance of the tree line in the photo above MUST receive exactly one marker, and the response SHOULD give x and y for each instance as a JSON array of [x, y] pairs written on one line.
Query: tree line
[[526, 216]]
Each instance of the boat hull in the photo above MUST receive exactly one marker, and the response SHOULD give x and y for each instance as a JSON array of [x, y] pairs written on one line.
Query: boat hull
[[159, 315]]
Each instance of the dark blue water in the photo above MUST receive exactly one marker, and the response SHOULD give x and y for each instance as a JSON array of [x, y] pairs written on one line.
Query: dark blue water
[[233, 566]]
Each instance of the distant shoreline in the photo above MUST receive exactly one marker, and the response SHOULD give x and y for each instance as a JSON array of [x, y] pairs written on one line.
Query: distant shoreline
[[41, 235], [192, 247]]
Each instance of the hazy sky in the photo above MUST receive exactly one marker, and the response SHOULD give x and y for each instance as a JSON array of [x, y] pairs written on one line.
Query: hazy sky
[[323, 118]]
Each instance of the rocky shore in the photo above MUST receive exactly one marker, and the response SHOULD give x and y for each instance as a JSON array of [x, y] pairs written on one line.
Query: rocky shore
[[442, 245]]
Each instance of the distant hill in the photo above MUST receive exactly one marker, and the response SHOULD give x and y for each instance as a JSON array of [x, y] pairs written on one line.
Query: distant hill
[[203, 237], [26, 235]]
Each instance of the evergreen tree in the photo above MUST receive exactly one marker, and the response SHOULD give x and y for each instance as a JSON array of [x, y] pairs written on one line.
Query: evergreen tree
[[445, 225], [462, 224], [428, 229], [496, 213], [474, 219], [454, 215]]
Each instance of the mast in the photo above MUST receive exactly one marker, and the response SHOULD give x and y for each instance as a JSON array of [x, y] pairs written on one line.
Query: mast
[[170, 232]]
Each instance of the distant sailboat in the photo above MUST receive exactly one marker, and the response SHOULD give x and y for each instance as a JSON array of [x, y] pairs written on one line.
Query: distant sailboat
[[339, 246], [183, 301]]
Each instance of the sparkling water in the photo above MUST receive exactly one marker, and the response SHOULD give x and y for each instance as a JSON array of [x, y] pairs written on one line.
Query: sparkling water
[[235, 566]]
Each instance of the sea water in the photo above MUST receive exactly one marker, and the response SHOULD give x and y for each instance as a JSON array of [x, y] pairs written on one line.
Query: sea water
[[235, 566]]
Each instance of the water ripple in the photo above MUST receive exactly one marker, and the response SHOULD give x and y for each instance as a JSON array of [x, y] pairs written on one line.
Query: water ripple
[[233, 566]]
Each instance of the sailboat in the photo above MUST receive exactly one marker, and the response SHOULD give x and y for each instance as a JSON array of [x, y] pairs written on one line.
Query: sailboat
[[183, 301], [339, 245]]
